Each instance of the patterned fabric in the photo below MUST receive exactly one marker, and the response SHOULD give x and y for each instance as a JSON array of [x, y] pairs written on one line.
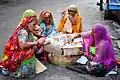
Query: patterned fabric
[[27, 69], [23, 35], [16, 55]]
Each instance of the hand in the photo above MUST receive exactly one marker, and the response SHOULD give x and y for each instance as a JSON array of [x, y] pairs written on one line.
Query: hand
[[71, 18], [90, 57], [72, 38], [47, 42], [81, 53], [41, 41], [63, 14]]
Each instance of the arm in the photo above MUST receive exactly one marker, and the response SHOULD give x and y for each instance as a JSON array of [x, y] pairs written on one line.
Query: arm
[[22, 38], [24, 45], [42, 25], [83, 34], [78, 35]]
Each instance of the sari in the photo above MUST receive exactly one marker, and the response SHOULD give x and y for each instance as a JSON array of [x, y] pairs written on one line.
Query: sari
[[20, 62], [103, 45], [77, 27]]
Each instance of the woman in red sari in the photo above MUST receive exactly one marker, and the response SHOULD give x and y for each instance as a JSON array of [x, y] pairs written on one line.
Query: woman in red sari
[[19, 50]]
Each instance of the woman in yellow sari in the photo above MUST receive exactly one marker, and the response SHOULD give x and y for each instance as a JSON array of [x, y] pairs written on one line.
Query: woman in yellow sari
[[19, 60], [71, 21]]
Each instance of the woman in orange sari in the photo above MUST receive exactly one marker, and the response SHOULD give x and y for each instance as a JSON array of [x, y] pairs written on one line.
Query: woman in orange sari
[[71, 21], [19, 50]]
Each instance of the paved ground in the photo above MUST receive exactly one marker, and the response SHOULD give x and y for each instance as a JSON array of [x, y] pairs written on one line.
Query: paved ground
[[11, 12]]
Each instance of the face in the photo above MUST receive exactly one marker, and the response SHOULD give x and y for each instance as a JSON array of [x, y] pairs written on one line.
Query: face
[[93, 32], [38, 30], [72, 13], [47, 20], [32, 26]]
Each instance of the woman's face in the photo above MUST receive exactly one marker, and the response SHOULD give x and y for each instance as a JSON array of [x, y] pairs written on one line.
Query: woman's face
[[93, 32], [32, 26], [72, 13], [47, 20]]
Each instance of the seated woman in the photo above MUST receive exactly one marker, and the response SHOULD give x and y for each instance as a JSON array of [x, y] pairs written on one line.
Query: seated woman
[[19, 60], [71, 21], [37, 32], [46, 22], [104, 51]]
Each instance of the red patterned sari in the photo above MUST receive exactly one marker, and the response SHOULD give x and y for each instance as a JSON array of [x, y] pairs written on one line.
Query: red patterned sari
[[16, 55]]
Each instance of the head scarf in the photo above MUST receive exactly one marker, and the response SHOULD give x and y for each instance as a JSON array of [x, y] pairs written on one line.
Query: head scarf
[[28, 12], [73, 8], [101, 33], [45, 14]]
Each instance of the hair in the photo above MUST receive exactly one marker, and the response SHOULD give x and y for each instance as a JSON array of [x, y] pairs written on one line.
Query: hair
[[42, 16]]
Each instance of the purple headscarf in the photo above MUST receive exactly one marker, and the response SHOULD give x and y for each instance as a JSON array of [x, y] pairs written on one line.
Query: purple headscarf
[[104, 48]]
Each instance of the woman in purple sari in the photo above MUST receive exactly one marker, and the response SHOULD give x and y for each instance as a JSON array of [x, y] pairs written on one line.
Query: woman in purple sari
[[98, 42]]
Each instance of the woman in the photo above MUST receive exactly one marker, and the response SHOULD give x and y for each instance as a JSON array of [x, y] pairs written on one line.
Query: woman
[[104, 51], [30, 12], [19, 50], [71, 21], [37, 32], [47, 23]]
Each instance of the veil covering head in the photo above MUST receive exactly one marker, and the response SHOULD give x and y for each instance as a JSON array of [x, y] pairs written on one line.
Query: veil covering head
[[28, 12], [73, 8]]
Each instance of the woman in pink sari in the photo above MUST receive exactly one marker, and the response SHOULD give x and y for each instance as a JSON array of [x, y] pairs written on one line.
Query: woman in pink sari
[[102, 47]]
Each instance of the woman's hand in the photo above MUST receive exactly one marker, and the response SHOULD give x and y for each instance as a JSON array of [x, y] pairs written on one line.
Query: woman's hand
[[63, 14], [47, 42], [81, 53], [40, 41], [72, 38], [72, 20], [90, 57]]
